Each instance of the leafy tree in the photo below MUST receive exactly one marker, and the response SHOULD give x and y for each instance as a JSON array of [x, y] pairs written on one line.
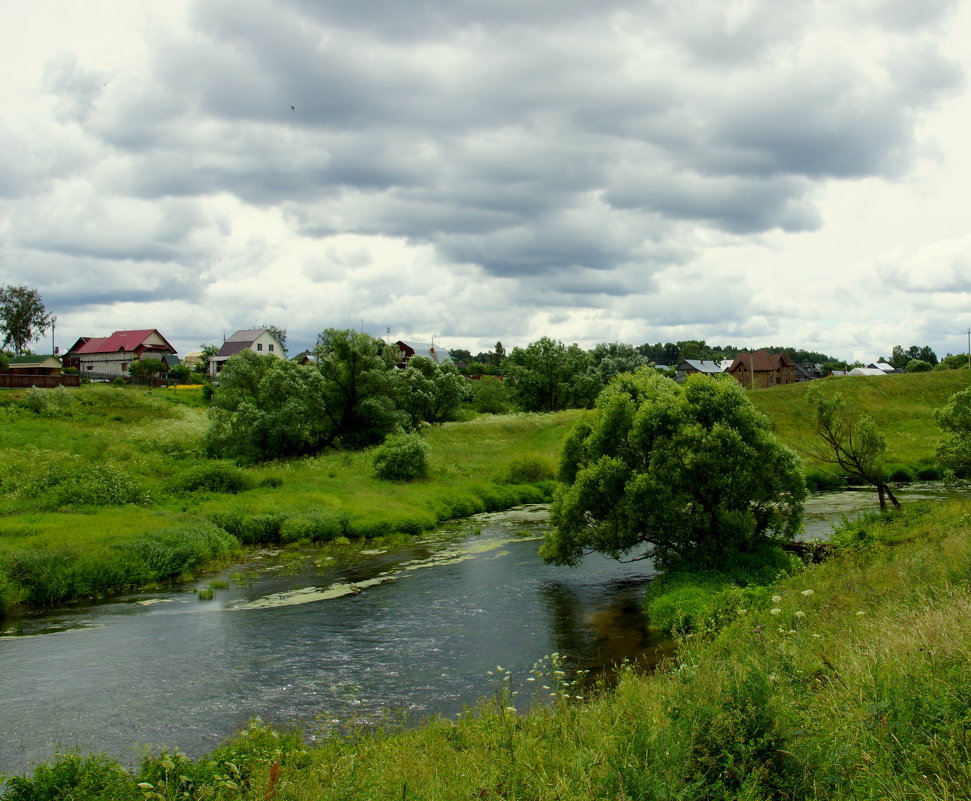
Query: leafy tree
[[612, 358], [681, 474], [360, 386], [147, 368], [954, 419], [918, 366], [489, 395], [900, 357], [545, 376], [267, 408], [402, 457], [206, 352], [23, 317], [430, 392], [851, 441], [956, 361], [499, 354], [181, 372]]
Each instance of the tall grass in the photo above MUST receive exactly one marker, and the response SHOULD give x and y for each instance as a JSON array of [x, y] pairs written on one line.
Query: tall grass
[[851, 681]]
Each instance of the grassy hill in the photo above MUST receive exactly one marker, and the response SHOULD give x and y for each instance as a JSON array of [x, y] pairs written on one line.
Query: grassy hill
[[901, 405]]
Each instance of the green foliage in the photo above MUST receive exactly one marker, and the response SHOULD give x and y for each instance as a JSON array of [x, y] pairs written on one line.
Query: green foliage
[[360, 392], [402, 457], [53, 402], [528, 470], [676, 472], [954, 420], [850, 441], [313, 527], [147, 368], [490, 396], [918, 366], [73, 777], [430, 392], [900, 357], [213, 476], [71, 482], [267, 408], [23, 316], [547, 376]]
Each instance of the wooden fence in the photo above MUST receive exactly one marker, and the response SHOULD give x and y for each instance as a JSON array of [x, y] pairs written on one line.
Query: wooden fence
[[19, 380]]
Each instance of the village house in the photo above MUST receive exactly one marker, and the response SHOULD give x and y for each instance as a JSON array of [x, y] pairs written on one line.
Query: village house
[[107, 357], [258, 340], [763, 369], [429, 350], [703, 366], [35, 365]]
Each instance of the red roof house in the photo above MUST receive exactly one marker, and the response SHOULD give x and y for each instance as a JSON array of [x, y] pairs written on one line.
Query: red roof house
[[112, 355]]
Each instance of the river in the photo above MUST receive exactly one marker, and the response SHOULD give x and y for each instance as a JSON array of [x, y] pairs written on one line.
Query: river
[[295, 638]]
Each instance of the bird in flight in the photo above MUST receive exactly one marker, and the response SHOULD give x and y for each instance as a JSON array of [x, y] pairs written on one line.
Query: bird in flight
[[292, 108]]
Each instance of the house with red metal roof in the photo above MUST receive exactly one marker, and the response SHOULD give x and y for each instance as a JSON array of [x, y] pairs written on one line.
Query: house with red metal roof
[[113, 355]]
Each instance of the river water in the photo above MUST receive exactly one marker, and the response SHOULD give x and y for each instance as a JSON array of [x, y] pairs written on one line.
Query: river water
[[397, 636]]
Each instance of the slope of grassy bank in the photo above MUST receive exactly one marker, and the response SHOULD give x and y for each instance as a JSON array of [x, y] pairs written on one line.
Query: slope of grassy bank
[[852, 681], [901, 405], [106, 488]]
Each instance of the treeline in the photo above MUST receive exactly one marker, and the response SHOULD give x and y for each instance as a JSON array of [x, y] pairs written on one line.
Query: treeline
[[666, 354]]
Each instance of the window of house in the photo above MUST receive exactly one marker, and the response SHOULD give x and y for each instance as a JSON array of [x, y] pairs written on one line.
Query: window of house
[[270, 347], [89, 367], [259, 346]]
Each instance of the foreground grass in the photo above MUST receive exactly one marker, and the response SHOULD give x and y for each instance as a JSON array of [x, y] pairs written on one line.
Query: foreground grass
[[104, 488], [853, 681]]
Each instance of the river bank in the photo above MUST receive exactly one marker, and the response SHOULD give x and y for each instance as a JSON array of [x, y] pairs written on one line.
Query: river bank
[[852, 682]]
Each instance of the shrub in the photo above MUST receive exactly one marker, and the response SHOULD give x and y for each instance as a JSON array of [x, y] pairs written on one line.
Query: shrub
[[929, 472], [318, 527], [56, 402], [900, 473], [490, 396], [73, 482], [823, 480], [214, 476], [72, 777], [528, 470], [402, 457]]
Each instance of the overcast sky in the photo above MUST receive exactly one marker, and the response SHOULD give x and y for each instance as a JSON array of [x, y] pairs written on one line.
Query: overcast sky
[[751, 173]]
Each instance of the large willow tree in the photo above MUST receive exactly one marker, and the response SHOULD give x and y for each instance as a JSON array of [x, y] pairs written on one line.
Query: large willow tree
[[685, 474]]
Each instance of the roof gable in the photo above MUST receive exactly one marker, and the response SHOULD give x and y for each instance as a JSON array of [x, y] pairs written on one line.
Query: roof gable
[[126, 341], [761, 361]]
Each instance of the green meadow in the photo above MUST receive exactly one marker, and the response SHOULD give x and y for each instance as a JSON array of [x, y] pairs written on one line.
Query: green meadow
[[107, 488], [847, 680]]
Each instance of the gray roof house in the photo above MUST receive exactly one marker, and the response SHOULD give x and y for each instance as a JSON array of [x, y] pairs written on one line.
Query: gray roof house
[[256, 339], [704, 366]]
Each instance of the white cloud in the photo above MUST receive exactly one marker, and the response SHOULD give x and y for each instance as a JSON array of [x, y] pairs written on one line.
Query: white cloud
[[747, 172]]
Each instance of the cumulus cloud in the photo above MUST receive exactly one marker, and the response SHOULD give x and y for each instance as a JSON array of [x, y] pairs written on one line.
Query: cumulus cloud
[[386, 162]]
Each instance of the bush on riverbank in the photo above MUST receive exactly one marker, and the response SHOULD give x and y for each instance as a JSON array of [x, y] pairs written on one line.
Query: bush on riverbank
[[853, 683]]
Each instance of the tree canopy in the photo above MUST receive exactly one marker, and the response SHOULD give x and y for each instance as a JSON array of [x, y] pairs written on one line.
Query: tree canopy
[[850, 441], [23, 316], [954, 447], [688, 473]]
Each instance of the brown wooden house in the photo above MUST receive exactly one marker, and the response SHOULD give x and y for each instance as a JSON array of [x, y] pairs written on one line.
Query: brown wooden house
[[762, 369]]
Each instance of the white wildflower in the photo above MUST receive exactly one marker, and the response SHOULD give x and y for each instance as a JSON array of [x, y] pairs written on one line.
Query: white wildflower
[[807, 593], [800, 615], [775, 611], [776, 599]]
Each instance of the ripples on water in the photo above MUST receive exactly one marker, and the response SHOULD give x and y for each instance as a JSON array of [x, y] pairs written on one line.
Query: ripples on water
[[401, 635]]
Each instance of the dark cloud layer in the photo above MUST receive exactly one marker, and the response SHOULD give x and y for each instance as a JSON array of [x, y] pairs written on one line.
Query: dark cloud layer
[[574, 146]]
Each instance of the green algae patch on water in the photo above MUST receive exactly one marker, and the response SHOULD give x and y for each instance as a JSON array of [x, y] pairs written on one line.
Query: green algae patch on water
[[490, 549]]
